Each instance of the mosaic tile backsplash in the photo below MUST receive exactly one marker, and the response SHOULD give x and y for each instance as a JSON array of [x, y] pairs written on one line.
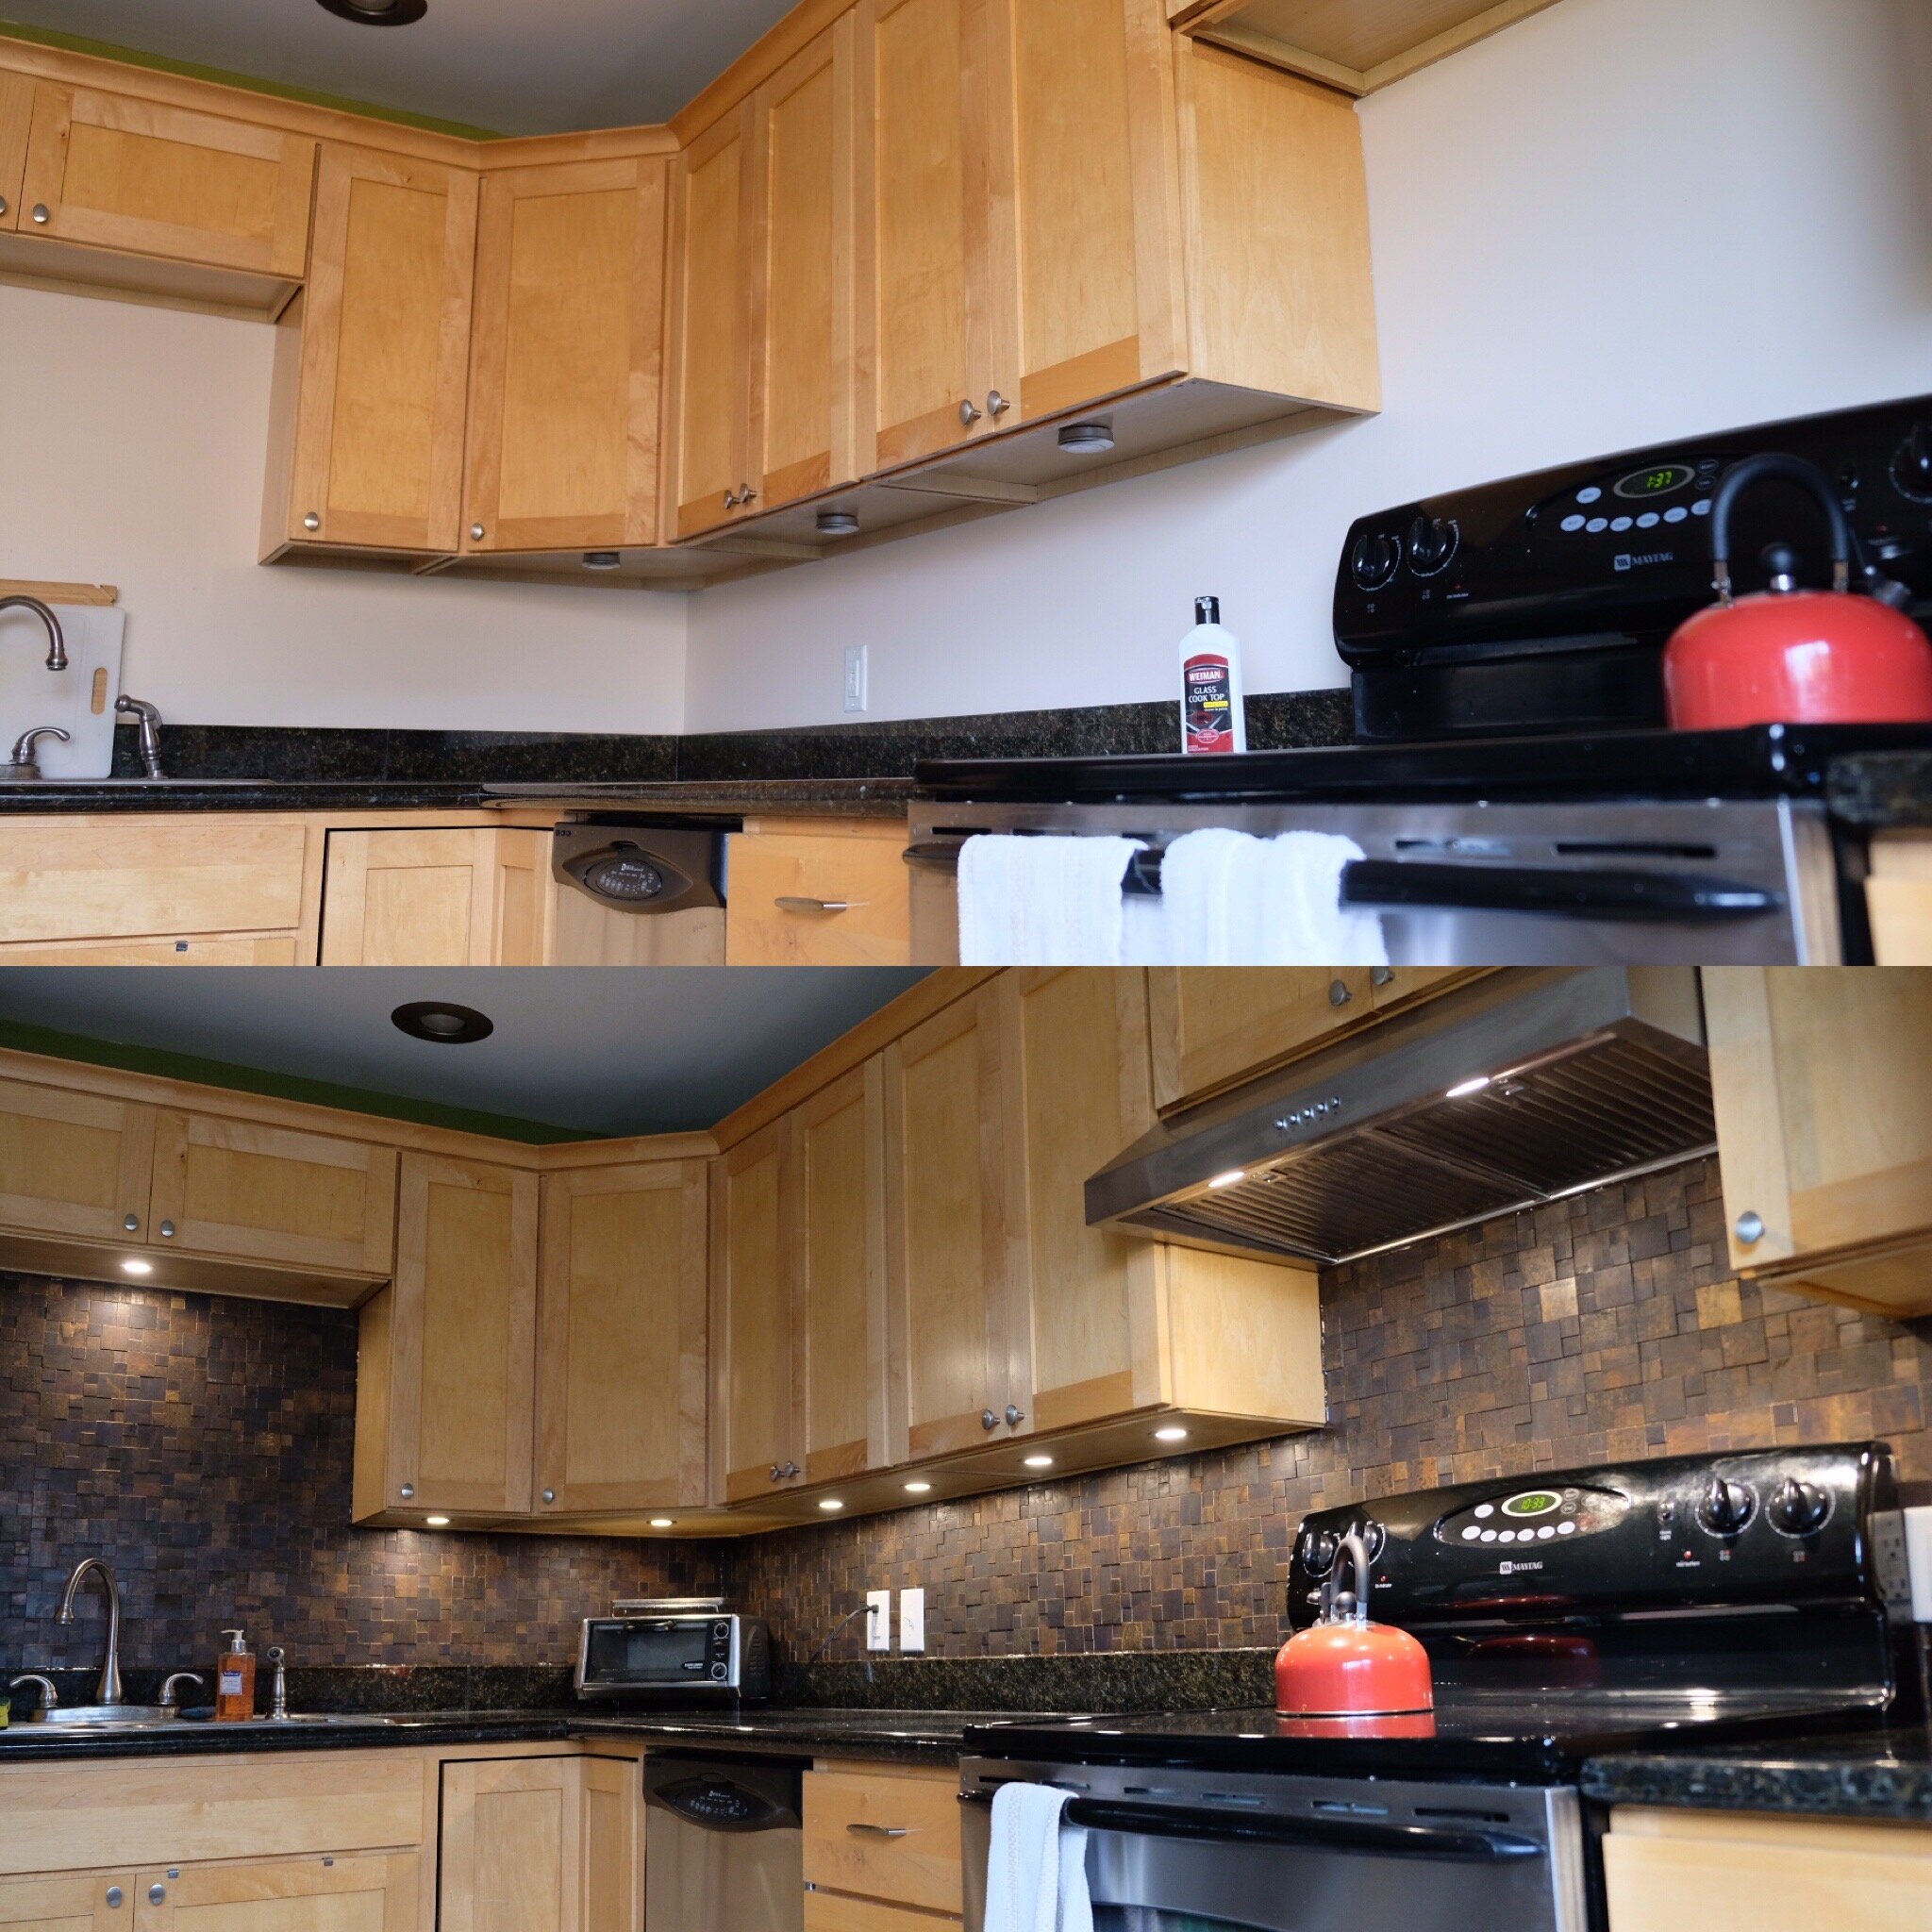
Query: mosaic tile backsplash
[[205, 1446]]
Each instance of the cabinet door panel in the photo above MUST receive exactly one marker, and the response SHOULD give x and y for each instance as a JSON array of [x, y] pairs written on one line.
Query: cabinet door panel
[[453, 897], [513, 1839], [16, 118], [946, 1226], [79, 1903], [1214, 1024], [335, 1894], [117, 172], [713, 458], [621, 1338], [841, 1238], [385, 354], [754, 1278], [567, 369], [464, 1322], [261, 1193], [75, 1164]]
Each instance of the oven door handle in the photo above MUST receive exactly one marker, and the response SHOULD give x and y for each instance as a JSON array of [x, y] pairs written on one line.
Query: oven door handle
[[1467, 1844], [935, 855], [1660, 898]]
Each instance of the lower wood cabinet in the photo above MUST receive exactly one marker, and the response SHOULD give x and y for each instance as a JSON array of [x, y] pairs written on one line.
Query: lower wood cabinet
[[1898, 898], [887, 1834], [374, 1893], [819, 898], [455, 896], [1737, 1872]]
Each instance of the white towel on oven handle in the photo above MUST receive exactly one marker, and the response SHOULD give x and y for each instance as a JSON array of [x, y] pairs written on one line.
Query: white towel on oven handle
[[1035, 1873], [1234, 900], [1042, 901]]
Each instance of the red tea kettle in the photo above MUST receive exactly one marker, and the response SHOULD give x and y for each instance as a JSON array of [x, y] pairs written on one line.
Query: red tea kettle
[[1792, 656], [1345, 1666]]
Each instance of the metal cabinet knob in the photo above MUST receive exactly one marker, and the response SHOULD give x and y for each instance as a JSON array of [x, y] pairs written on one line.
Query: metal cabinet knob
[[408, 1491], [167, 1230], [862, 1830], [790, 904], [156, 1894], [731, 499], [1339, 995], [1382, 976], [132, 1223], [550, 1495], [312, 522], [996, 405], [115, 1895], [1750, 1228], [40, 215], [3, 204], [1014, 1416], [969, 414], [476, 533], [747, 496], [988, 1420]]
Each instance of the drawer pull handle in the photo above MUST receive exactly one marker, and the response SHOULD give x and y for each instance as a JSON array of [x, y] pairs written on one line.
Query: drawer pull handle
[[789, 904], [880, 1830]]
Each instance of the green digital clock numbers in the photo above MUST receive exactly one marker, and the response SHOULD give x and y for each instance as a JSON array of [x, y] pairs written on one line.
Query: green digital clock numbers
[[1661, 480], [1532, 1503]]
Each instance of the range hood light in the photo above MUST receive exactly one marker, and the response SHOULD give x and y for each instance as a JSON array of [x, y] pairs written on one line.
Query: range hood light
[[1463, 1089], [662, 1523], [1232, 1178], [137, 1267]]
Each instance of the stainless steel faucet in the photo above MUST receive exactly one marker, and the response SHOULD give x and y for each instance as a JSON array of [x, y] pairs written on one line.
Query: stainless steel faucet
[[110, 1690], [150, 731], [57, 644], [22, 767], [279, 1709]]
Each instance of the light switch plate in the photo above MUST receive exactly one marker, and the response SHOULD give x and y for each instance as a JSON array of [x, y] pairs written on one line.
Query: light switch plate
[[879, 1619], [855, 676], [1918, 1527], [912, 1620]]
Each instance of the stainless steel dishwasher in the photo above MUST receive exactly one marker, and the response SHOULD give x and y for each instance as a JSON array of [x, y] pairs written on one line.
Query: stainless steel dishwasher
[[723, 1845]]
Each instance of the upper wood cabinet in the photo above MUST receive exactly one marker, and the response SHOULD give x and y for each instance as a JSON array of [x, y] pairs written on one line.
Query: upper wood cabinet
[[446, 1389], [451, 896], [73, 1164], [113, 171], [621, 1338], [16, 118], [753, 1288], [372, 366], [1825, 1126], [567, 355], [1212, 1026]]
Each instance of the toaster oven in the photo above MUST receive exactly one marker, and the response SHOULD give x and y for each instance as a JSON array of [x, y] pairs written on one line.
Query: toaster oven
[[674, 1650]]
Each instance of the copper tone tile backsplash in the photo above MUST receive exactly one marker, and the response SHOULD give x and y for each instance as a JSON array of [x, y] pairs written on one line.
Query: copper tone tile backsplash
[[205, 1446]]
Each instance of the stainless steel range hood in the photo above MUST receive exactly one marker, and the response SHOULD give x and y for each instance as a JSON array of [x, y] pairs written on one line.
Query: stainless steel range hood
[[1518, 1089]]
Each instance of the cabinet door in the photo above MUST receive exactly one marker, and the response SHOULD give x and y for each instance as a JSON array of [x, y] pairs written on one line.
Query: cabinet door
[[567, 362], [804, 286], [841, 1149], [621, 1338], [715, 226], [927, 198], [117, 172], [376, 1893], [613, 1851], [462, 1320], [472, 896], [87, 1901], [753, 1276], [1214, 1024], [75, 1164], [947, 1228], [1075, 1056], [1091, 124], [512, 1846], [16, 118], [384, 358], [261, 1193]]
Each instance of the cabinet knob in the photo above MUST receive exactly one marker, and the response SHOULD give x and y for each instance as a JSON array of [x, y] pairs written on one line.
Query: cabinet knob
[[996, 405], [747, 496], [1014, 1416], [1750, 1228], [787, 903], [731, 499], [115, 1895], [1339, 995], [407, 1492], [988, 1420], [312, 522], [1382, 976], [550, 1495], [167, 1230], [476, 533], [40, 215], [3, 204], [969, 414], [132, 1223], [156, 1894]]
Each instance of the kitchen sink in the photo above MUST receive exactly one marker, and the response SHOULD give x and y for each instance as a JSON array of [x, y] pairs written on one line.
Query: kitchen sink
[[101, 1720]]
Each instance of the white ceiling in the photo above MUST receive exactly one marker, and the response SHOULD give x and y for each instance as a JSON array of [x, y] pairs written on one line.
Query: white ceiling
[[513, 66], [666, 1050]]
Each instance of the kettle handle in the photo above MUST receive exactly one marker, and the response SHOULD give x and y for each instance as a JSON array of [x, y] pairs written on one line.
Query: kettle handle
[[1809, 478], [1355, 1546]]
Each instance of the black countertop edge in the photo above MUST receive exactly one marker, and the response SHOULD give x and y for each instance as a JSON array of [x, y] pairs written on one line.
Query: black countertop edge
[[1882, 790], [1876, 1776]]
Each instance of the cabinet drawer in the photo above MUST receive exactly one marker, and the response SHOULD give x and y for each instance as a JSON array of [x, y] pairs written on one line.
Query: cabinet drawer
[[884, 1838], [779, 883], [277, 949], [831, 1912], [82, 879]]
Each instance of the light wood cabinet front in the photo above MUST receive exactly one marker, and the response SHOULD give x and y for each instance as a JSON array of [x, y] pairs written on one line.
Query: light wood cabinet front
[[87, 1902], [754, 1275], [1898, 898], [887, 1834], [946, 1201], [567, 361], [378, 361], [621, 1338], [251, 1193], [112, 171], [445, 1401], [514, 1845], [316, 1895], [819, 899], [16, 118], [1214, 1025], [72, 1164], [459, 896]]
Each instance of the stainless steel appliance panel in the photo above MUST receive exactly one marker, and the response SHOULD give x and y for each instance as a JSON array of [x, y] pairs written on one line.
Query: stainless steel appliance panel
[[727, 1846]]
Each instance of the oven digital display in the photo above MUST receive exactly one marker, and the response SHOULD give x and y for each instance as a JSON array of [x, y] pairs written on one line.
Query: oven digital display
[[648, 1652], [1532, 1503], [1662, 479]]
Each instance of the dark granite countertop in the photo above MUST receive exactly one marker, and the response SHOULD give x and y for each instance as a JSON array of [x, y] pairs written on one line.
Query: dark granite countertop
[[1882, 790], [1880, 1775]]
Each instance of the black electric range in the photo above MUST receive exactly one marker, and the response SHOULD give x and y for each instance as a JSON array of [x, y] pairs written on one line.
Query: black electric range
[[1569, 1615]]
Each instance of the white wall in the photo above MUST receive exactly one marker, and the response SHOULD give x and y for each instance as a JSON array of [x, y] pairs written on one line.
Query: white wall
[[1621, 221], [132, 446]]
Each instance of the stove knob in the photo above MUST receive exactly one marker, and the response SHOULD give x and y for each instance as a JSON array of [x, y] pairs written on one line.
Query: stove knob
[[1726, 1507], [1911, 468], [1318, 1551], [1376, 1537], [1797, 1509], [1375, 559], [1431, 544]]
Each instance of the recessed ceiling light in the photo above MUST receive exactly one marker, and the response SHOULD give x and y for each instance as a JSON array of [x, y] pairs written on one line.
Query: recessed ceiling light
[[918, 1489], [1463, 1089], [1039, 1462], [662, 1523], [377, 12], [1229, 1178], [137, 1267], [1170, 1434], [443, 1023], [437, 1521], [830, 1503]]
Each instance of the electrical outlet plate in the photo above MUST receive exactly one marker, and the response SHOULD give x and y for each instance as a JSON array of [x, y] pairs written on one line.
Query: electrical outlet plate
[[912, 1620], [1918, 1528], [879, 1619], [855, 676]]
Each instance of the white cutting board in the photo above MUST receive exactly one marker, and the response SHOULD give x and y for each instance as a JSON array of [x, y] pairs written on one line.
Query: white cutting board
[[80, 699]]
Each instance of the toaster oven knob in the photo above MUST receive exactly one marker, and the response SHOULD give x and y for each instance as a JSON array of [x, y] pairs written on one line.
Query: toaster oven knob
[[721, 1631]]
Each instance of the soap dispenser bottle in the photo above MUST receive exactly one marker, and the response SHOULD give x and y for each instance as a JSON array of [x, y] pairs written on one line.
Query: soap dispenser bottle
[[235, 1680]]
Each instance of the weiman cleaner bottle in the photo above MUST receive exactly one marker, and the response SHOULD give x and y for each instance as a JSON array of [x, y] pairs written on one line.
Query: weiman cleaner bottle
[[1213, 708]]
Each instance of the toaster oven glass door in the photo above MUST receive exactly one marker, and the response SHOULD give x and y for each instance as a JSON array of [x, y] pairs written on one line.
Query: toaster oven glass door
[[644, 1654]]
